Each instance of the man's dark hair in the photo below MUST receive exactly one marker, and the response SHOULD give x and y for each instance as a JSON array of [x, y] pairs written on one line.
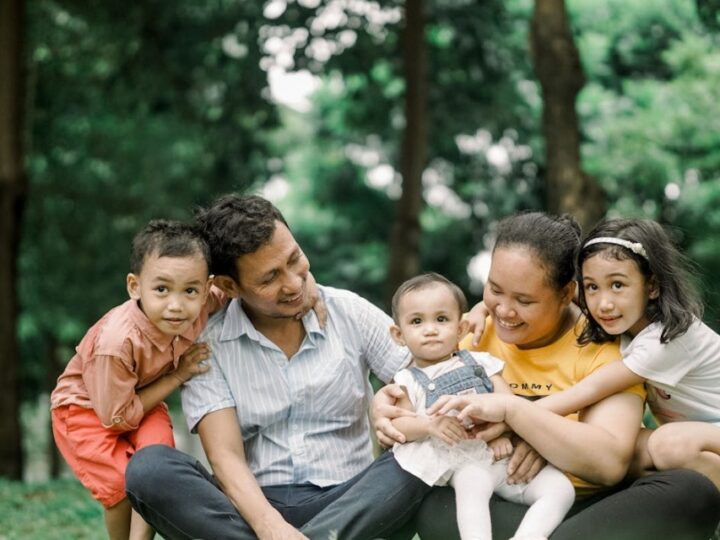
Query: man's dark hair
[[168, 239], [235, 225]]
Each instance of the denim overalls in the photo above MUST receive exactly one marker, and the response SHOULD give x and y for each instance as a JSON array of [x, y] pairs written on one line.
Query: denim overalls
[[470, 376]]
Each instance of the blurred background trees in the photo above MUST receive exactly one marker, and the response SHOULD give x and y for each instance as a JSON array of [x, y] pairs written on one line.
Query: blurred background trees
[[469, 110]]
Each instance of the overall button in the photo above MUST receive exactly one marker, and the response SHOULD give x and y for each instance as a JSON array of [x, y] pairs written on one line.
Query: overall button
[[431, 386]]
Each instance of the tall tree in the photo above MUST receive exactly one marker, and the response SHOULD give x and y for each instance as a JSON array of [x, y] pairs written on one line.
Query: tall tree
[[557, 65], [12, 201], [404, 249]]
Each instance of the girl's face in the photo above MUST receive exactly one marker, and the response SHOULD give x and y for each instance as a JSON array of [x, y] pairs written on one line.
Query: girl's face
[[528, 312], [616, 294], [429, 323]]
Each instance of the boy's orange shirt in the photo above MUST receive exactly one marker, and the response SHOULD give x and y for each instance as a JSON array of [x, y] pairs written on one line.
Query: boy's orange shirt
[[121, 353]]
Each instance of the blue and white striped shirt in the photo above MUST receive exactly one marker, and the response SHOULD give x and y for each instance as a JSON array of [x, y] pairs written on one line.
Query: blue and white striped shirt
[[303, 420]]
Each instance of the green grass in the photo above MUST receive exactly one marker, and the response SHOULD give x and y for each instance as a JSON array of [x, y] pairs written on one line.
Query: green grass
[[55, 510]]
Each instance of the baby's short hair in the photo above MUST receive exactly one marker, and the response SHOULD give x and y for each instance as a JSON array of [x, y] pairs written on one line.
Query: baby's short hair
[[423, 281], [167, 238]]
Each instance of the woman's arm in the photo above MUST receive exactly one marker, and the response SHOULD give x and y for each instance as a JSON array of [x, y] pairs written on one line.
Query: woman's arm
[[597, 449], [601, 383], [222, 441]]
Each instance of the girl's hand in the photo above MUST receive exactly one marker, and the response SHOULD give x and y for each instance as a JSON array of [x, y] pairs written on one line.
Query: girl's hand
[[501, 447], [315, 303], [476, 408], [525, 463], [189, 364], [383, 409], [447, 429], [476, 318]]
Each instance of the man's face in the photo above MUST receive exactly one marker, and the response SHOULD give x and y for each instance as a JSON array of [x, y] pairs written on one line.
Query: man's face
[[273, 279]]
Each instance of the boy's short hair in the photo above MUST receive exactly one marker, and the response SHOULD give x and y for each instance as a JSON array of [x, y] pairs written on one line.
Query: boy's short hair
[[423, 281], [167, 238]]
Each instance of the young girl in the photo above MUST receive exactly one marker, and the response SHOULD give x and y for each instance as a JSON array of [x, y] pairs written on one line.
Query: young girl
[[427, 311], [635, 284]]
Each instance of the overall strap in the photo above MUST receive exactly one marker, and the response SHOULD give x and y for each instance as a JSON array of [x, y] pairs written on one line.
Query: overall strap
[[420, 377]]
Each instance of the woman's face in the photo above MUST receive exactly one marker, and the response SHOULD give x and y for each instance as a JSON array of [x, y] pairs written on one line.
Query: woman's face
[[528, 312]]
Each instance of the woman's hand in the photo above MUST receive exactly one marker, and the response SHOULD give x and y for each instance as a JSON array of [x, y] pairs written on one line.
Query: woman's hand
[[476, 318], [525, 463], [383, 409]]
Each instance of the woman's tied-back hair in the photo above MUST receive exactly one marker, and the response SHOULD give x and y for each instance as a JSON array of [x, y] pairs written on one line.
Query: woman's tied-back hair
[[235, 225], [553, 240], [424, 281], [168, 239], [678, 303]]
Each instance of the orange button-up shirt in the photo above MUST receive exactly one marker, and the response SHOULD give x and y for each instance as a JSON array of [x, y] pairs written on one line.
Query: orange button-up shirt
[[120, 354]]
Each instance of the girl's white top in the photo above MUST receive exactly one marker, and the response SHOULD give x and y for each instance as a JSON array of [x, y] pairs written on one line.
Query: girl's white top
[[683, 375]]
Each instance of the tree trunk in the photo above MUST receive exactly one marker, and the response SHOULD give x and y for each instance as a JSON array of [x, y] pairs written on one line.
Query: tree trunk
[[404, 256], [12, 200], [557, 65]]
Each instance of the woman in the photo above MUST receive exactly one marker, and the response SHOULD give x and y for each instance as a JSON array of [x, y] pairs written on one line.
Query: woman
[[532, 327]]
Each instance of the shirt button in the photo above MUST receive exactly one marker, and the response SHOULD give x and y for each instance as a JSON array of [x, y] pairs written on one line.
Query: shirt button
[[117, 420], [431, 386]]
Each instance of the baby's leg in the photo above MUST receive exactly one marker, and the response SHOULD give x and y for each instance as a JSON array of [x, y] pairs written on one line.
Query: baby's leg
[[549, 495], [687, 445], [474, 485]]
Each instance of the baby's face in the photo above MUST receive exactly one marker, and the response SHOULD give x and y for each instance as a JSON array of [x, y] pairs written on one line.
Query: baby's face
[[171, 291], [429, 320]]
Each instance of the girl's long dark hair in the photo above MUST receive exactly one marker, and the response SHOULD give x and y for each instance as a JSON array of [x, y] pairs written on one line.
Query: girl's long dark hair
[[678, 303]]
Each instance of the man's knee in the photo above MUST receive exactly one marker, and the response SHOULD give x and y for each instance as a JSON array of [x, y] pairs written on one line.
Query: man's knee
[[148, 467]]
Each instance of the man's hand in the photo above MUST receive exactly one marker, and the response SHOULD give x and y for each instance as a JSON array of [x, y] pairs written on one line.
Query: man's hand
[[383, 409], [189, 363], [525, 463], [447, 429], [280, 530]]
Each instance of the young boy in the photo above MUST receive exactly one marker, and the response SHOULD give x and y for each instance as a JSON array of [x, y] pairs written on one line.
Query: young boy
[[108, 402], [427, 311]]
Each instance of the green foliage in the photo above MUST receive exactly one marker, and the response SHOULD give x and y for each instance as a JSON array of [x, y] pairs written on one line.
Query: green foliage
[[55, 510]]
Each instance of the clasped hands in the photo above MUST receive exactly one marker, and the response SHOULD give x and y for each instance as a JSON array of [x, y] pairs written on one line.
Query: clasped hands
[[486, 413]]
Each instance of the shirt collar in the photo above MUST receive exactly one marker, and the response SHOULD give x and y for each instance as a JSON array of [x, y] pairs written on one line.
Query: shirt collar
[[159, 339], [237, 324]]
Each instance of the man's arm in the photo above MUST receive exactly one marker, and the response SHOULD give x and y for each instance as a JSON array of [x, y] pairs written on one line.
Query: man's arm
[[222, 440]]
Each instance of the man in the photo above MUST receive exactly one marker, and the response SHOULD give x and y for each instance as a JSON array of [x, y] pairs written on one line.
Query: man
[[282, 411]]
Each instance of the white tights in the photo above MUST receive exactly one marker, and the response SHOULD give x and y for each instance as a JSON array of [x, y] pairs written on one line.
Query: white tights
[[549, 495]]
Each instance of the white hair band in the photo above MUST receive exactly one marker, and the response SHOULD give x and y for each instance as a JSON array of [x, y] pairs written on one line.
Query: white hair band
[[635, 247]]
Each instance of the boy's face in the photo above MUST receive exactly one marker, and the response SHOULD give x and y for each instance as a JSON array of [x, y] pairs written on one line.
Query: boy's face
[[171, 290], [429, 324]]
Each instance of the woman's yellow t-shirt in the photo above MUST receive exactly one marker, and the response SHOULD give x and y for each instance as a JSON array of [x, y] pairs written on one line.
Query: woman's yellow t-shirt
[[536, 373]]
